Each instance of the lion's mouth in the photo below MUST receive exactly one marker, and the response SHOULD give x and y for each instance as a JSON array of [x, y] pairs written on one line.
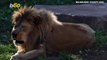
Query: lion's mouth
[[19, 42]]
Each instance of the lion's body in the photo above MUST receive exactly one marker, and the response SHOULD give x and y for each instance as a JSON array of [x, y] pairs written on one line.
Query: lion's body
[[59, 36], [69, 36]]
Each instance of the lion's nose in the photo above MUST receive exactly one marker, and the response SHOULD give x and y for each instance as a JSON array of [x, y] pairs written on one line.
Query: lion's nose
[[14, 35]]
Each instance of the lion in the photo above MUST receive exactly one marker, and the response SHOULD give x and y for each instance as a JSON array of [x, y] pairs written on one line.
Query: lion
[[38, 32]]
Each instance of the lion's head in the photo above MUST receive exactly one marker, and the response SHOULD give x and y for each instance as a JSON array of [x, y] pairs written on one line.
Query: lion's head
[[30, 24]]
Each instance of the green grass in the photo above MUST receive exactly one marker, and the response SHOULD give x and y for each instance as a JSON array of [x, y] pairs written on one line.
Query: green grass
[[6, 50], [101, 38], [69, 56]]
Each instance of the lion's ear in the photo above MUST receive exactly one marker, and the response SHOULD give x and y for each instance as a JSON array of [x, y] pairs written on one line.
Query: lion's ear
[[37, 20]]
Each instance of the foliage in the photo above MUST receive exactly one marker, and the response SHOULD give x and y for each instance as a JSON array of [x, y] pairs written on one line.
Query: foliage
[[6, 50], [69, 56], [5, 24], [101, 38]]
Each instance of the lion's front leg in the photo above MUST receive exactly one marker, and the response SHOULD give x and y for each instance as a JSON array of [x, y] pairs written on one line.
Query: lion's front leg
[[17, 56], [28, 55], [34, 53]]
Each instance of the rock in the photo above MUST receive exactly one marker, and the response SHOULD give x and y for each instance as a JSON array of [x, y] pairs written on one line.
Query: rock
[[94, 15]]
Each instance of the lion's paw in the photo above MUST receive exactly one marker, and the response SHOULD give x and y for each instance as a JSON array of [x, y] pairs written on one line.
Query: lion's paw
[[16, 57]]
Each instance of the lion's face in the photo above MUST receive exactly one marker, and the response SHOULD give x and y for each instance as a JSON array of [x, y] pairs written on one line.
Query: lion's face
[[20, 31], [23, 31]]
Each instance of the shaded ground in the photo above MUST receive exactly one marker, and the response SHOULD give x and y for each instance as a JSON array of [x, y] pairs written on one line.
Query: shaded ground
[[96, 53]]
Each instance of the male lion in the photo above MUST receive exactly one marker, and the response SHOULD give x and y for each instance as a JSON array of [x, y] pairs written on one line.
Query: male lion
[[37, 31]]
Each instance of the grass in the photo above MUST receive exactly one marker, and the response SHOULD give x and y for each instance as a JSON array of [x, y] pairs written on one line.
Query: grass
[[69, 56], [101, 38], [6, 50]]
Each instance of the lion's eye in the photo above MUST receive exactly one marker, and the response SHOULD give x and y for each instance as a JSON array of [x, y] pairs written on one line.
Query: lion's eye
[[15, 26], [23, 28]]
